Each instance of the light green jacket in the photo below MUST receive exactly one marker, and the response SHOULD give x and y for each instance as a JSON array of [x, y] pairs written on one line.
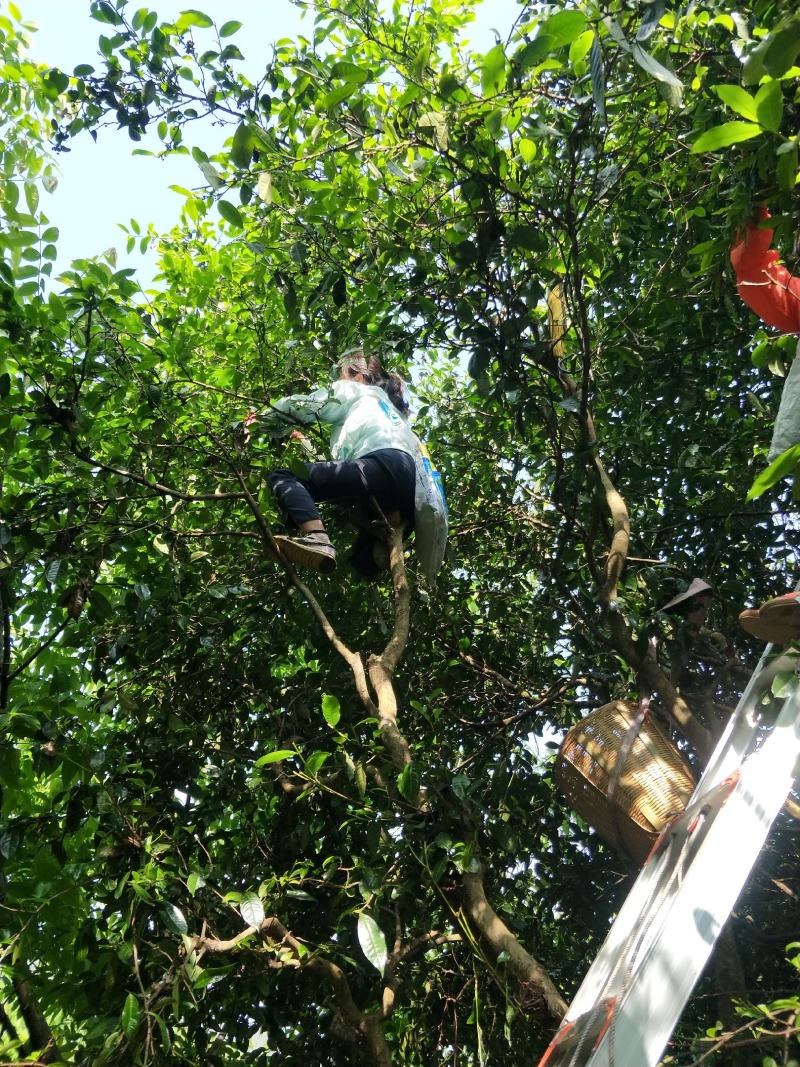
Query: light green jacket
[[361, 417]]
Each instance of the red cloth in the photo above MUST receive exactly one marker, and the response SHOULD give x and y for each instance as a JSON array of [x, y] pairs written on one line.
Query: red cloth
[[763, 283]]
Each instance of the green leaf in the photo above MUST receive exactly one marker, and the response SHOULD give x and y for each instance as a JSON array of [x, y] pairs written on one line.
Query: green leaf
[[130, 1016], [274, 757], [581, 46], [651, 19], [436, 122], [194, 882], [738, 99], [526, 236], [351, 72], [174, 918], [331, 709], [654, 68], [782, 49], [189, 18], [372, 941], [562, 28], [211, 174], [493, 71], [361, 780], [227, 29], [252, 910], [100, 605], [532, 53], [313, 765], [527, 149], [781, 467], [786, 168], [242, 146], [769, 106], [342, 92], [160, 545], [408, 782], [727, 134], [230, 214]]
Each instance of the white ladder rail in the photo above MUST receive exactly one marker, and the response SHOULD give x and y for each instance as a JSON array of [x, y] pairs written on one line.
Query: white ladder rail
[[635, 991]]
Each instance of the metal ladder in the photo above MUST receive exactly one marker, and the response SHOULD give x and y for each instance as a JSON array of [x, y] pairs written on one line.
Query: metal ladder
[[635, 991]]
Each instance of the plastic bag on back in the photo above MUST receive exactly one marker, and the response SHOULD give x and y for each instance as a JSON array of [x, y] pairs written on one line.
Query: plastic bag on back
[[430, 513]]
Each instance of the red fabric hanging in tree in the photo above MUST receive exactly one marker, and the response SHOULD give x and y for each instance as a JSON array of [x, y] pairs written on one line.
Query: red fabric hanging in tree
[[763, 283]]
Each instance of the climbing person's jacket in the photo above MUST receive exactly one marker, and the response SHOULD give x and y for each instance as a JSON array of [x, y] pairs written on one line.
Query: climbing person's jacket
[[361, 417], [773, 293], [363, 420]]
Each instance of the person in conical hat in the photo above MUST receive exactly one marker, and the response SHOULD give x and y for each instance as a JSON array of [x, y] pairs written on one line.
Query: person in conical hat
[[701, 662], [692, 603]]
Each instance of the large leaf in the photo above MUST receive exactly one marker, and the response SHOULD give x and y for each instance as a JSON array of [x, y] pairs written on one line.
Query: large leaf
[[781, 467], [769, 106], [242, 146], [653, 67], [274, 757], [190, 18], [727, 134], [372, 941], [130, 1016], [782, 49], [174, 918], [738, 99], [231, 214], [494, 70], [653, 12], [408, 782], [562, 28], [331, 709], [252, 910]]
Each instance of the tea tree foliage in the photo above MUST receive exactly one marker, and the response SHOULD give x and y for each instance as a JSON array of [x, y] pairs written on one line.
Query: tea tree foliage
[[250, 818]]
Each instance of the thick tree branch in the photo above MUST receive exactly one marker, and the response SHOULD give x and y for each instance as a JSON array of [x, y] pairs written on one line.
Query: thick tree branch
[[5, 647], [40, 1036], [352, 659], [620, 537], [381, 668], [37, 651], [537, 990], [367, 1024], [157, 487]]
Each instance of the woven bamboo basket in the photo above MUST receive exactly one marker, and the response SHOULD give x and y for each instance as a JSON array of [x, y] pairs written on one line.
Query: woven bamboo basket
[[654, 784]]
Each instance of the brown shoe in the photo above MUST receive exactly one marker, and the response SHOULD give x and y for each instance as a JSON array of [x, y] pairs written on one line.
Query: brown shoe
[[776, 621], [312, 550]]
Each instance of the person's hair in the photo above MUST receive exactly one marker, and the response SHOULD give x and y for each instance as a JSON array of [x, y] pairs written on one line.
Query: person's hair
[[375, 373]]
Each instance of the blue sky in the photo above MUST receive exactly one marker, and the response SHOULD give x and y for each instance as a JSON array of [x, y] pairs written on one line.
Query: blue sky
[[102, 183]]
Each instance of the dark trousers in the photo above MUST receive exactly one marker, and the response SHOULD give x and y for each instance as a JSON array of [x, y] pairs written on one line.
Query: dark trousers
[[386, 476]]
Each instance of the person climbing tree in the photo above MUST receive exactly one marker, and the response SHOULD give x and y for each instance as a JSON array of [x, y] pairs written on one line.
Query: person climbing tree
[[373, 453], [701, 661], [773, 293]]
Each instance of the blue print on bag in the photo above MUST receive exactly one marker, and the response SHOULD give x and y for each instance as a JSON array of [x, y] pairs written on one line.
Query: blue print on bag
[[437, 479], [388, 411]]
